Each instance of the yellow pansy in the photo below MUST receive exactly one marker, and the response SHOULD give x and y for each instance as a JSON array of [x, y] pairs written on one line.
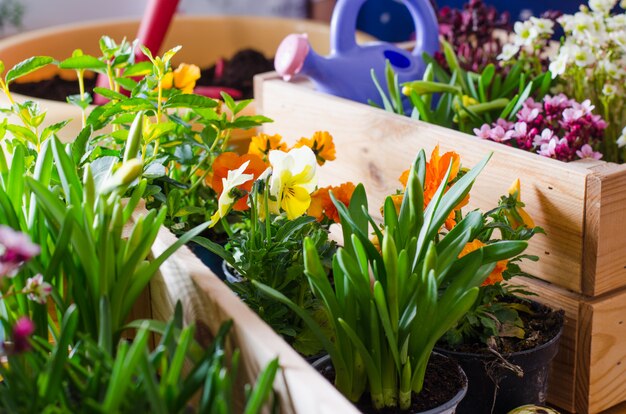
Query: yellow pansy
[[293, 179]]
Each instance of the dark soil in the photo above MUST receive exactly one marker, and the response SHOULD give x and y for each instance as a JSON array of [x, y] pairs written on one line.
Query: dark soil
[[541, 327], [236, 73], [441, 384]]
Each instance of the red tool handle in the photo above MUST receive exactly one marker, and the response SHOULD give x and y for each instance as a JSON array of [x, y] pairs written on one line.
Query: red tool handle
[[152, 30]]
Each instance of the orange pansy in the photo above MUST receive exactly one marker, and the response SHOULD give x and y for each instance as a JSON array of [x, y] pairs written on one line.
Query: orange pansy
[[322, 145], [228, 161], [322, 205], [496, 273], [262, 144]]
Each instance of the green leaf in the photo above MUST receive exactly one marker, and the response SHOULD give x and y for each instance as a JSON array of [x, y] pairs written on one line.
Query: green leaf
[[27, 66], [138, 69], [83, 62], [53, 129], [262, 389], [190, 101], [109, 94], [228, 100], [80, 101], [23, 133]]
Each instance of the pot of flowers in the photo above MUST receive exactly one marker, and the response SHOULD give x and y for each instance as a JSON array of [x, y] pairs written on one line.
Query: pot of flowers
[[231, 34], [392, 298], [505, 343]]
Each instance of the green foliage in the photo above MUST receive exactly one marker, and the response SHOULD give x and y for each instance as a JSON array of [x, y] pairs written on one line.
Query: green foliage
[[272, 254], [497, 312], [92, 379], [389, 307], [460, 99]]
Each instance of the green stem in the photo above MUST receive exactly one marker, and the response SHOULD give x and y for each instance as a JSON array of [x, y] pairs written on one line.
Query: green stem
[[81, 90]]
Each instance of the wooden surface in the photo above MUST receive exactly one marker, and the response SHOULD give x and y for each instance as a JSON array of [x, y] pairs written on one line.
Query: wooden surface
[[603, 342], [605, 230], [209, 302], [374, 147]]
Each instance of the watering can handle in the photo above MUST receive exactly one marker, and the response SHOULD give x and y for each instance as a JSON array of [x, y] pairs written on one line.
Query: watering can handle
[[343, 26]]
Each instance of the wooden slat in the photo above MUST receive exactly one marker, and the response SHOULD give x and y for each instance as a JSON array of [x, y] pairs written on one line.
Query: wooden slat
[[602, 359], [604, 260], [374, 147]]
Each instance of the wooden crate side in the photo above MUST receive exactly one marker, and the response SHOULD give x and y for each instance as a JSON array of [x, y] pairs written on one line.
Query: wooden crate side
[[604, 260], [562, 382], [602, 359], [208, 300], [374, 147]]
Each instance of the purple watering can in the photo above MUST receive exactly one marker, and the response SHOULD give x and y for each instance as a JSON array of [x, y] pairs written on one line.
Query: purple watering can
[[346, 71]]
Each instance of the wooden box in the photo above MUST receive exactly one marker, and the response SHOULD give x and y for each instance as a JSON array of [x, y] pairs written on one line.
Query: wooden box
[[581, 206], [208, 302]]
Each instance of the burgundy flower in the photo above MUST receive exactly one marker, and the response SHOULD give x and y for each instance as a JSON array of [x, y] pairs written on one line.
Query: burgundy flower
[[22, 330]]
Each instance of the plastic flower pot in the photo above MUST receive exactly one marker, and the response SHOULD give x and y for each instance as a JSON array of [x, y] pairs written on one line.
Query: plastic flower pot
[[449, 407], [493, 388], [205, 39]]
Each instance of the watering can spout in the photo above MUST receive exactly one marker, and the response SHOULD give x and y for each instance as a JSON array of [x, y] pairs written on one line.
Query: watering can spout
[[291, 55]]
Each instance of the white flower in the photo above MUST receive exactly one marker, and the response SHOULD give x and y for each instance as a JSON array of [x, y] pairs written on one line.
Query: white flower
[[542, 26], [609, 90], [37, 290], [526, 33], [602, 6], [616, 22], [544, 138], [559, 65], [621, 141], [611, 69], [228, 196], [508, 51], [293, 179], [622, 4], [583, 57]]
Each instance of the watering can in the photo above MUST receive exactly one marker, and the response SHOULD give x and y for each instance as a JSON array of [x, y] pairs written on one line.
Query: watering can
[[346, 71]]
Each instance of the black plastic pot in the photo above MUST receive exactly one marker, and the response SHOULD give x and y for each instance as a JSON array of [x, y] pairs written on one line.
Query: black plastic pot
[[450, 407], [210, 259], [494, 388]]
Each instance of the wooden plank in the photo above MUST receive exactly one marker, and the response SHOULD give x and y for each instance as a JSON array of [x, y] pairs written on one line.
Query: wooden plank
[[207, 300], [562, 381], [604, 260], [374, 147], [602, 357]]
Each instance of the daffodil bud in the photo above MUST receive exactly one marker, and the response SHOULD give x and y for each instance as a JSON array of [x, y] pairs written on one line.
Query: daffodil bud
[[126, 174], [135, 136]]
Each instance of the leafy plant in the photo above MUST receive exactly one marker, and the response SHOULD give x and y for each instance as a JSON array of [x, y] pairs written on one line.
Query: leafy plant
[[460, 99], [389, 307], [129, 378]]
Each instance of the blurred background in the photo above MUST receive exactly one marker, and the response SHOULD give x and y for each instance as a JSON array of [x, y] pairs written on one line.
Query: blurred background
[[385, 19]]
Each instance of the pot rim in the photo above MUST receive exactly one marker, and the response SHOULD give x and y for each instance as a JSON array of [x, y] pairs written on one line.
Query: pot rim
[[451, 403], [541, 347], [70, 27]]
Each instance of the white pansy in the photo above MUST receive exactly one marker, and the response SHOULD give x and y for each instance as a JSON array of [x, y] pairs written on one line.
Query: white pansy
[[227, 198], [508, 51]]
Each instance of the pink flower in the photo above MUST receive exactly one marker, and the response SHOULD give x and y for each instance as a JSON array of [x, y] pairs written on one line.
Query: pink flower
[[548, 149], [527, 114], [587, 152], [22, 330], [499, 134], [38, 290], [556, 100], [15, 249], [484, 132], [572, 114], [544, 138], [531, 104]]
